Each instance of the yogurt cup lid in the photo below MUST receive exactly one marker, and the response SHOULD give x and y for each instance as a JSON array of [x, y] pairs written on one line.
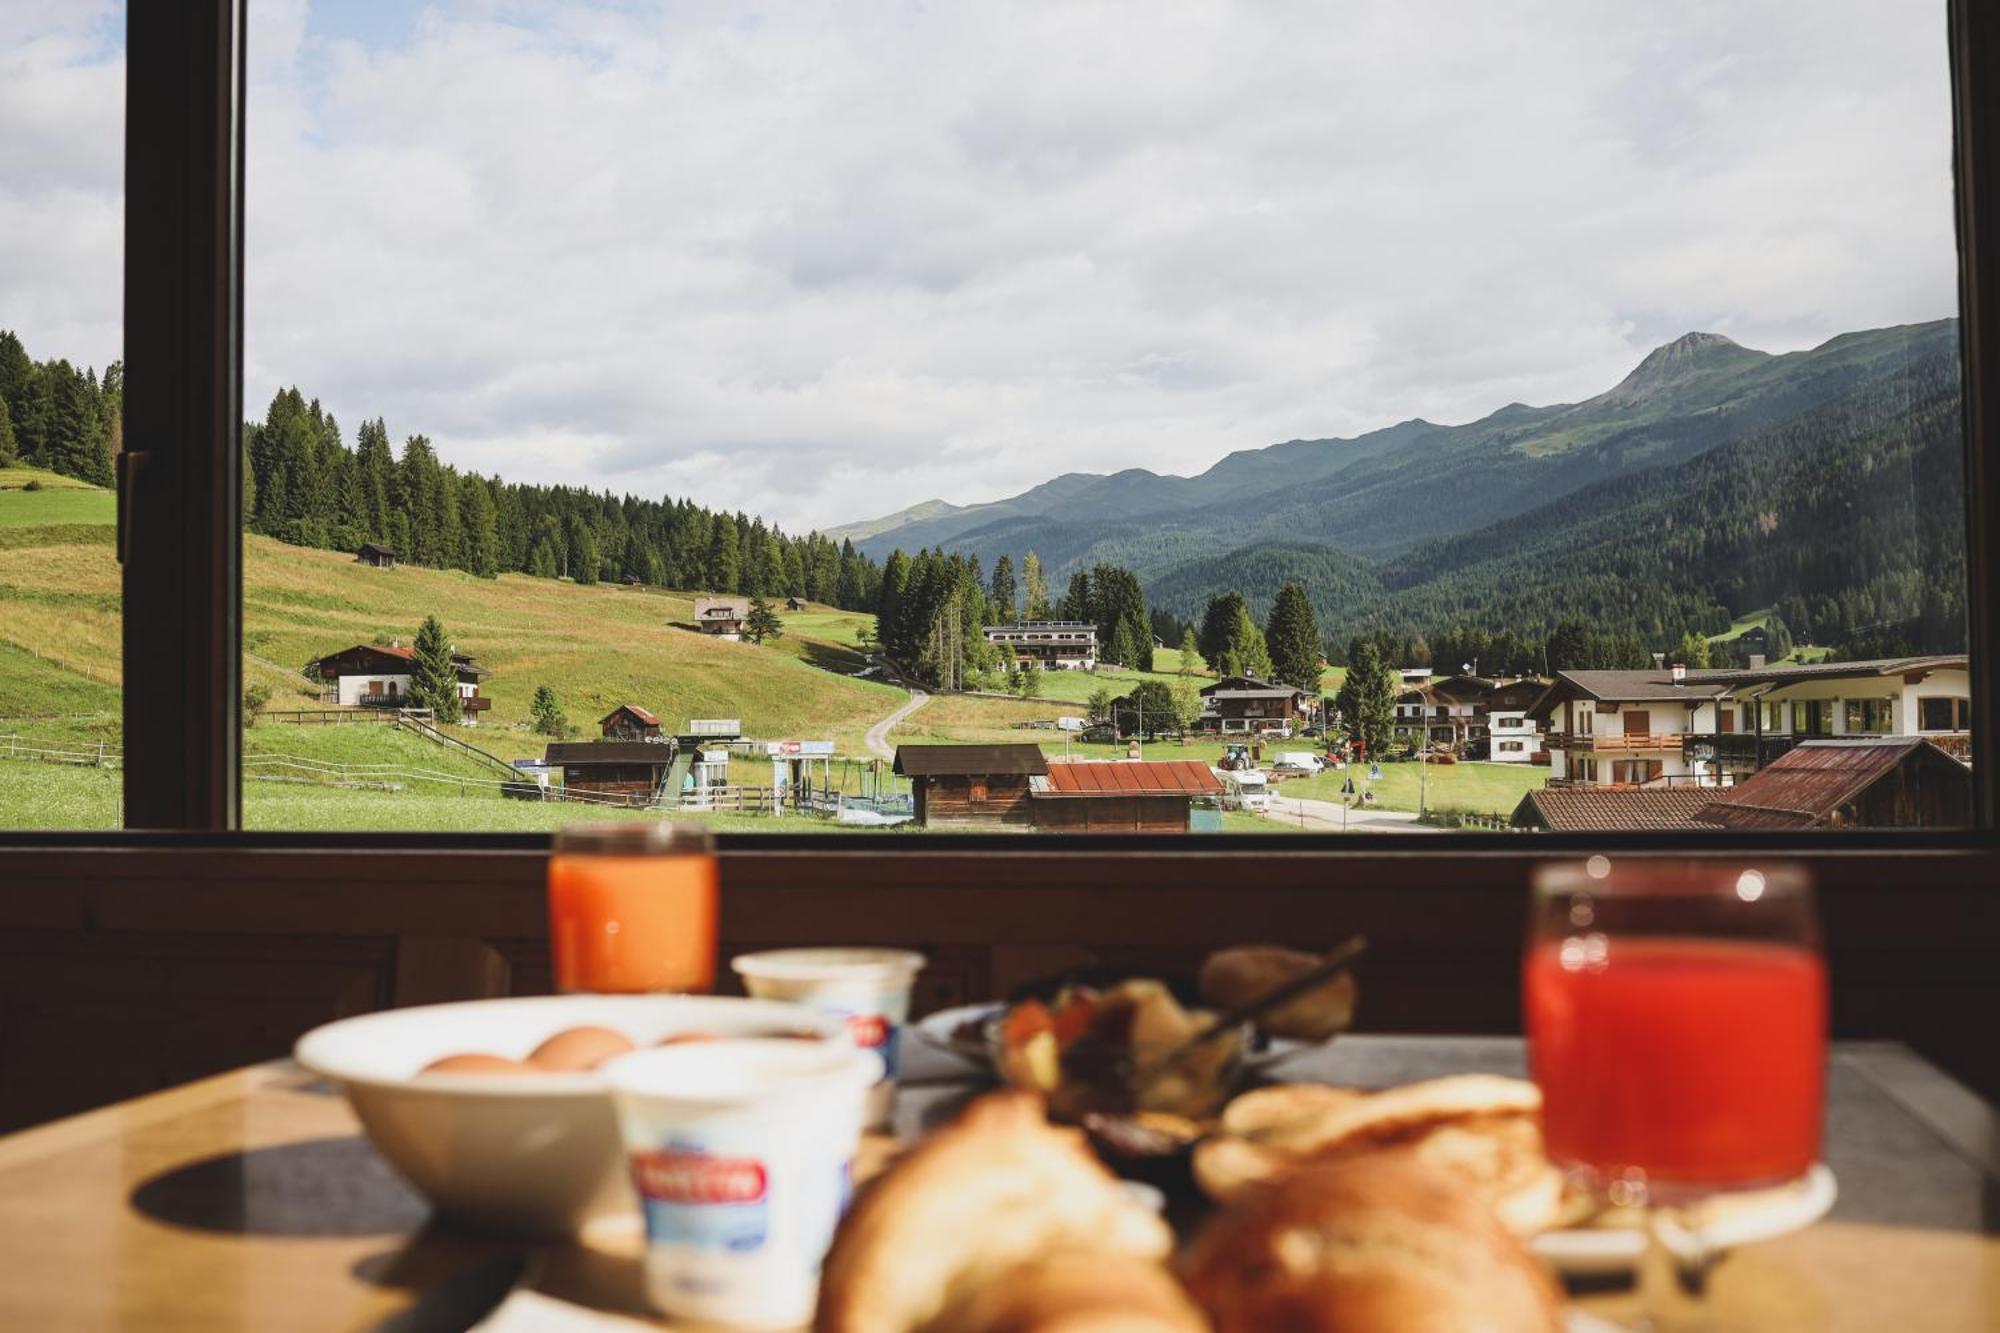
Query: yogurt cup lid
[[741, 1072], [828, 964]]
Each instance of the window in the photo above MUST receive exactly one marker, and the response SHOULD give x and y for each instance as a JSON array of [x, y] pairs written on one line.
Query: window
[[588, 531], [1871, 717], [1944, 714]]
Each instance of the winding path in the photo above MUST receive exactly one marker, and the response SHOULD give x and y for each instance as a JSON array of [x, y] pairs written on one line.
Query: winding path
[[1324, 817], [878, 735]]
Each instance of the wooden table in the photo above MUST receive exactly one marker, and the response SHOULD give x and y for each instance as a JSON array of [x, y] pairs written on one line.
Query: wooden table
[[250, 1201]]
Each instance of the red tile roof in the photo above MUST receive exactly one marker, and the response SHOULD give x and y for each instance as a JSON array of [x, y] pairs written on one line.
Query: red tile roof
[[1177, 777], [634, 710], [1604, 809]]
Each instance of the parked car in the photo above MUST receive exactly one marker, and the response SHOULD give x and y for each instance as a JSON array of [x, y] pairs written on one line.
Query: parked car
[[1297, 761]]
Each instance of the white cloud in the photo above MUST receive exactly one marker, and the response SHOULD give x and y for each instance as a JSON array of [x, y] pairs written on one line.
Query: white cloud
[[821, 261]]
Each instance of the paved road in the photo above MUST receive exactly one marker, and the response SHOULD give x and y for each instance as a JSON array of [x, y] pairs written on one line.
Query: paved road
[[1324, 817], [878, 735]]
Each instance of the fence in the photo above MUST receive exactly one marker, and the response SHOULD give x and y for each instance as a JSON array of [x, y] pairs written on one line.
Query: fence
[[79, 754], [327, 717]]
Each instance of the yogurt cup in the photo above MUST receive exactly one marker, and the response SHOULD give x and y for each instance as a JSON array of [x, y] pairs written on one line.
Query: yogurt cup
[[870, 988], [742, 1153]]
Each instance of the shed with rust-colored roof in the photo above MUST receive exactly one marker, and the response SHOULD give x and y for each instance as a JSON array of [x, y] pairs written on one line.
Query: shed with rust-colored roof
[[1122, 796], [1608, 809], [1887, 782]]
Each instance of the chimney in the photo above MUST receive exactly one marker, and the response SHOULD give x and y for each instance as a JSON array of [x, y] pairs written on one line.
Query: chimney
[[1756, 661], [1659, 661], [1680, 674]]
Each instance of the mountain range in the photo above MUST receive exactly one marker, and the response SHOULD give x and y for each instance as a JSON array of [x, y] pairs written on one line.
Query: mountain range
[[1502, 520]]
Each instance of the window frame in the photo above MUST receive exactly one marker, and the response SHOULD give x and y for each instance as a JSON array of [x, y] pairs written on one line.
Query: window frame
[[179, 528]]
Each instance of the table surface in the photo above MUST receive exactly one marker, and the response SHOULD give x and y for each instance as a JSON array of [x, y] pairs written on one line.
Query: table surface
[[250, 1201]]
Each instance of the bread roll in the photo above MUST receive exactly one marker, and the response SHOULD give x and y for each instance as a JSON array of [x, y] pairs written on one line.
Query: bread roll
[[1236, 977], [1367, 1244], [997, 1191], [1083, 1291]]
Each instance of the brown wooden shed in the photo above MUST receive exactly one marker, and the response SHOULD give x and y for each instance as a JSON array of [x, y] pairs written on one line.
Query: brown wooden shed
[[626, 772], [1881, 782], [971, 786], [1121, 796], [629, 722]]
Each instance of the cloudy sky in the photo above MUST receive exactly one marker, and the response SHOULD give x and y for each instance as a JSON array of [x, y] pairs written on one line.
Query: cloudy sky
[[820, 261]]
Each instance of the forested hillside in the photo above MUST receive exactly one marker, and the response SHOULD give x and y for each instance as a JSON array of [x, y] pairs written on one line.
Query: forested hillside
[[55, 416]]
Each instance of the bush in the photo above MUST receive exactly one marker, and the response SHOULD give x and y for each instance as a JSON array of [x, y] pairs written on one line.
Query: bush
[[254, 700], [33, 485]]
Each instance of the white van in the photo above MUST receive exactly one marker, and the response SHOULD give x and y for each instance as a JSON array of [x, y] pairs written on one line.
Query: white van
[[1298, 761]]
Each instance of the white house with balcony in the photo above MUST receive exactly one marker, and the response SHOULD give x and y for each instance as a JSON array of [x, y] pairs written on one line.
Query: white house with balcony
[[1668, 727], [1053, 645]]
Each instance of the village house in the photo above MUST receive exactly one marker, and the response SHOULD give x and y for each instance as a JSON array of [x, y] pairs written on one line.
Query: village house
[[381, 557], [373, 675], [1512, 736], [971, 786], [1053, 645], [1246, 703], [612, 772], [1584, 809], [629, 722], [1447, 714], [722, 617], [1669, 726], [1125, 796], [1864, 782]]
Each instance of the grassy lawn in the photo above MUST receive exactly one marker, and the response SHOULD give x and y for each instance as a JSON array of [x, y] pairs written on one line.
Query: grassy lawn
[[1476, 788]]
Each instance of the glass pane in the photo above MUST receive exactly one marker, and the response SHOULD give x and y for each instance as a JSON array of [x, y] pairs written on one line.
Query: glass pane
[[1369, 420], [62, 142]]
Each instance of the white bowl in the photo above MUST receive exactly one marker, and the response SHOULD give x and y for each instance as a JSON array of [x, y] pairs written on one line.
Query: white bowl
[[525, 1154]]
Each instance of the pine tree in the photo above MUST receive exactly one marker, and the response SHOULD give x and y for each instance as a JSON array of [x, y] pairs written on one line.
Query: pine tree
[[1292, 636], [1031, 679], [433, 678], [1035, 587], [1077, 603], [584, 556], [9, 450], [545, 711], [762, 624], [724, 559], [1367, 699], [1190, 653], [482, 537], [1003, 592]]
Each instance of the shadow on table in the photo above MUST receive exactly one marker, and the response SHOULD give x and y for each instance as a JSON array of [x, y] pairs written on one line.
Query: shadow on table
[[457, 1280], [318, 1187]]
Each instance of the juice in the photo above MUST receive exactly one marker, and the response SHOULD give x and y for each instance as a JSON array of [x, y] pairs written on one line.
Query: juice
[[633, 923], [1699, 1062]]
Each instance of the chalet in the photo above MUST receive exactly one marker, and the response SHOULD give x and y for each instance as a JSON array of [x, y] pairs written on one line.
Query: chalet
[[1053, 645], [721, 616], [1121, 796], [629, 722], [1871, 782], [1631, 728], [1444, 714], [971, 786], [1605, 809], [1717, 727], [1512, 736], [1245, 703], [382, 557], [372, 675], [612, 772]]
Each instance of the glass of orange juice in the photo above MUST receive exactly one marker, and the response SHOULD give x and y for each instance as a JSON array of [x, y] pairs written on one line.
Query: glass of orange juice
[[632, 907]]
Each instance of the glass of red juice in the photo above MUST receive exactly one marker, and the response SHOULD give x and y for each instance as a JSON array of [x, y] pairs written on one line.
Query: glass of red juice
[[1676, 1016], [632, 908]]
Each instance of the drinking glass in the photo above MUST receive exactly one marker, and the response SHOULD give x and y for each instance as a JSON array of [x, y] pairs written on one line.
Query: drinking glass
[[1676, 1015], [632, 907]]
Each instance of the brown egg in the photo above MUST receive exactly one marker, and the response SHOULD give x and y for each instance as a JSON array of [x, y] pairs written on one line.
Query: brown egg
[[574, 1050], [683, 1038], [477, 1063]]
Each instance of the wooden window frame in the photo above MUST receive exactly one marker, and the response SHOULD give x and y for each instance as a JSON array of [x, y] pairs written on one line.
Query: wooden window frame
[[183, 579]]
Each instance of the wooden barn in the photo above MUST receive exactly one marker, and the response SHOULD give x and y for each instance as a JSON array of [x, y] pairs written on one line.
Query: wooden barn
[[1121, 796], [795, 603], [616, 772], [629, 722], [1880, 782], [382, 557], [972, 786]]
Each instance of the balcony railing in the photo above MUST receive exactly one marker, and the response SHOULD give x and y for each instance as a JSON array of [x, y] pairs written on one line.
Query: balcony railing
[[1622, 742]]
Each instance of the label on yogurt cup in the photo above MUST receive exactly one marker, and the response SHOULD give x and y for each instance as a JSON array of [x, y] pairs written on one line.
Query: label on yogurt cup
[[704, 1201], [876, 1032]]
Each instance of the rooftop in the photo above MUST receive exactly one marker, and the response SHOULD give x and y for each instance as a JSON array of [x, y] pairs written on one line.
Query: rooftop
[[571, 753], [1176, 777], [969, 760], [1602, 809]]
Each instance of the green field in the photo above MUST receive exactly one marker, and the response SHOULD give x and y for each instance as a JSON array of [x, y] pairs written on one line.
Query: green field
[[1472, 788]]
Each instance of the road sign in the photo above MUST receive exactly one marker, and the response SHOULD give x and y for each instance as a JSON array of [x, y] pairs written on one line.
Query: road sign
[[1374, 772]]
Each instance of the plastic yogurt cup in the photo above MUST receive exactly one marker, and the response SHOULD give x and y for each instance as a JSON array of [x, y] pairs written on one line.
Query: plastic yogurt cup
[[870, 988], [742, 1153]]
